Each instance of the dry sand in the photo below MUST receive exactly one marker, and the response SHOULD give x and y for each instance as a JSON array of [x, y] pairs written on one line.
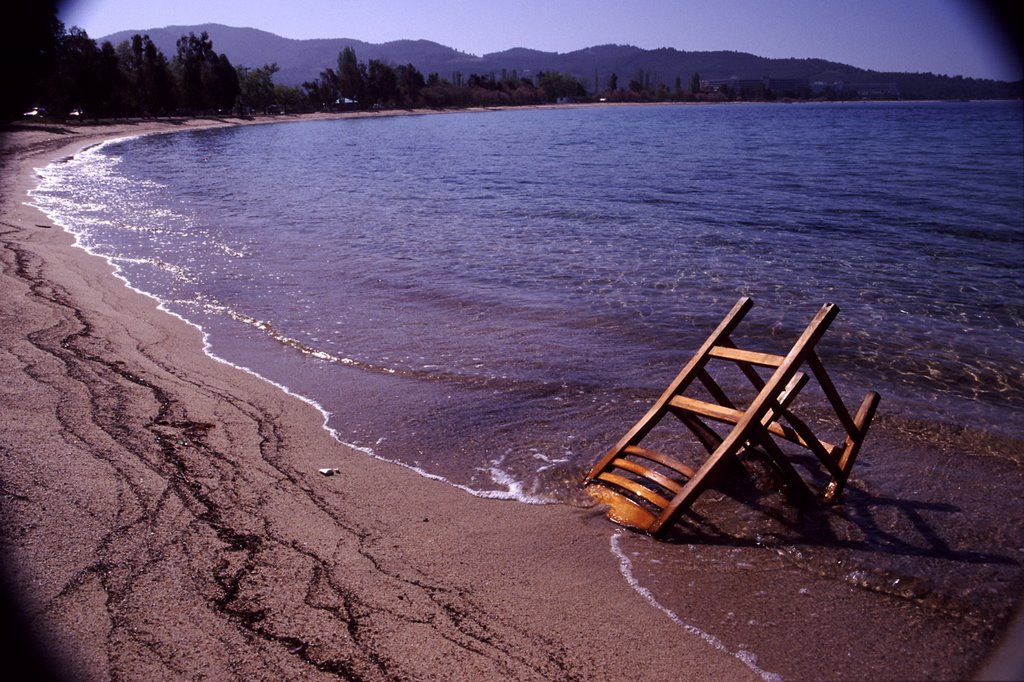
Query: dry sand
[[163, 518]]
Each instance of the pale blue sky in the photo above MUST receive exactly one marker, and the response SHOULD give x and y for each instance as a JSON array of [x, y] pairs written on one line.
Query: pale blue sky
[[952, 37]]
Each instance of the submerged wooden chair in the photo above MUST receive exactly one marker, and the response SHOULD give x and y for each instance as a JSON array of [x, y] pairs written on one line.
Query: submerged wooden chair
[[650, 490]]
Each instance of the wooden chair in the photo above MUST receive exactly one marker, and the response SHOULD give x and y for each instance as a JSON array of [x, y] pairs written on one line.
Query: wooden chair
[[649, 490]]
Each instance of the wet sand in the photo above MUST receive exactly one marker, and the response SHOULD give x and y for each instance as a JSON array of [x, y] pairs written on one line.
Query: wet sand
[[162, 517]]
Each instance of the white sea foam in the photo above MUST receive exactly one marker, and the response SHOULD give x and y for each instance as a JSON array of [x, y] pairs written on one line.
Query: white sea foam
[[510, 487], [626, 568], [513, 488]]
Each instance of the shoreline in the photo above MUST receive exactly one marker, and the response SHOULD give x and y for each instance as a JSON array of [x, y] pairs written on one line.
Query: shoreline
[[196, 536]]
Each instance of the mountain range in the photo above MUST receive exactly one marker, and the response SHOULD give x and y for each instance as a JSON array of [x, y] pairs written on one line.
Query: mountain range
[[303, 60]]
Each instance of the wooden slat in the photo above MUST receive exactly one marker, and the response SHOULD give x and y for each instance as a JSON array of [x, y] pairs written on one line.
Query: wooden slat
[[752, 418], [660, 458], [633, 487], [745, 367], [621, 509], [730, 416], [644, 477], [650, 474], [825, 381], [826, 453], [679, 384], [717, 412], [793, 388], [782, 403], [752, 357]]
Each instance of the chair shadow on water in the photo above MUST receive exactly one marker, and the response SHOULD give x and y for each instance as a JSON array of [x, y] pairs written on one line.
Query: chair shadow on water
[[761, 432], [750, 511]]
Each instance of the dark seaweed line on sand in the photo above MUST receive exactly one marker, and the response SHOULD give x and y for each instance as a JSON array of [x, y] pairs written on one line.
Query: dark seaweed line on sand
[[147, 427]]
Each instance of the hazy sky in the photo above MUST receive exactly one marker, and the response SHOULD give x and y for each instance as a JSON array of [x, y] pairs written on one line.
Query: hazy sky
[[953, 37]]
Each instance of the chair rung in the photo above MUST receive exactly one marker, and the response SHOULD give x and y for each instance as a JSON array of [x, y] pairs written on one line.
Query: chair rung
[[660, 458], [716, 412], [634, 487], [739, 355], [651, 475], [791, 434], [731, 416]]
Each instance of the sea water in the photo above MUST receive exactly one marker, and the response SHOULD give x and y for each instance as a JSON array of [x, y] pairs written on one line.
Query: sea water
[[494, 298]]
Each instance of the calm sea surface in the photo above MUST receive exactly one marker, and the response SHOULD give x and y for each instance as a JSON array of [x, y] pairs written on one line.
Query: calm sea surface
[[496, 297]]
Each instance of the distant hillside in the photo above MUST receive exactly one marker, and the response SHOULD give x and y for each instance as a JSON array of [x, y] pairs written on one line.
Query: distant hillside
[[303, 60]]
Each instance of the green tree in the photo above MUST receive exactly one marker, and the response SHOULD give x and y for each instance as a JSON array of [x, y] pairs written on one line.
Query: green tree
[[695, 83], [410, 84], [289, 98], [556, 85], [207, 79], [351, 75], [76, 77], [323, 91], [85, 77], [111, 95], [381, 83], [161, 96], [257, 86], [221, 84], [195, 53]]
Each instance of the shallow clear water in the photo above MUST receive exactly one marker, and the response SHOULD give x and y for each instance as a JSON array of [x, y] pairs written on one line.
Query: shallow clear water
[[496, 297], [502, 287]]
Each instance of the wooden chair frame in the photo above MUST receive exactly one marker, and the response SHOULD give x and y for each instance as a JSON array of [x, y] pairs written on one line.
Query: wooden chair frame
[[655, 489]]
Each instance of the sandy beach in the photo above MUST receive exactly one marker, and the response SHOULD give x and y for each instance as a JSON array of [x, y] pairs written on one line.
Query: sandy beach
[[163, 517]]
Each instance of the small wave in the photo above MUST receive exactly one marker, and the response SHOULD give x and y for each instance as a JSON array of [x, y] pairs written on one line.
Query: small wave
[[748, 658], [509, 488], [513, 489], [427, 372], [291, 342]]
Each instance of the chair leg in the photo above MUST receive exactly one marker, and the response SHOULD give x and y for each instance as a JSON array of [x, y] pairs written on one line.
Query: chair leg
[[796, 488], [853, 442], [679, 384], [695, 486]]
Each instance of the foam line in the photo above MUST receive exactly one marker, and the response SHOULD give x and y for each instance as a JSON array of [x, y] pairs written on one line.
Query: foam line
[[513, 488], [748, 658]]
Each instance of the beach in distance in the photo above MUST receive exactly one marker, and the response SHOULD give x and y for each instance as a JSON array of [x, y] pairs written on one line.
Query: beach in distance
[[313, 396]]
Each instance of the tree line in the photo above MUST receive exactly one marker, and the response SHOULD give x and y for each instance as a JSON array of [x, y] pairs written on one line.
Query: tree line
[[65, 73], [354, 84], [76, 77], [84, 79]]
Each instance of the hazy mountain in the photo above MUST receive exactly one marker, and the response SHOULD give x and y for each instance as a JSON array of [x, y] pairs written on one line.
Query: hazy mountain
[[303, 60]]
